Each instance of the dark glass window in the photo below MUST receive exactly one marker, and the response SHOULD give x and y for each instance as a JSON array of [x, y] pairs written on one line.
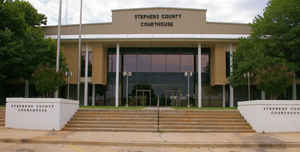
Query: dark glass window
[[205, 67], [187, 63], [173, 63], [90, 61], [130, 63], [158, 63], [227, 64], [144, 63], [112, 63], [205, 63]]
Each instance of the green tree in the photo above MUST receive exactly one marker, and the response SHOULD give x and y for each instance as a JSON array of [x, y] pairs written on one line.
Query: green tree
[[272, 53], [23, 46], [280, 28], [46, 80]]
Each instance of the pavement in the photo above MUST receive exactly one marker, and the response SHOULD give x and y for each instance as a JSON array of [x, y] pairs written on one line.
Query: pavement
[[11, 139]]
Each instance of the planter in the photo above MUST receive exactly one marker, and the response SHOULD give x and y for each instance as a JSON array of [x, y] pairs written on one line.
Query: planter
[[39, 113], [272, 115]]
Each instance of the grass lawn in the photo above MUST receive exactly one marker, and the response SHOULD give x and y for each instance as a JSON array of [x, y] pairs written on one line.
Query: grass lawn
[[113, 107], [205, 108]]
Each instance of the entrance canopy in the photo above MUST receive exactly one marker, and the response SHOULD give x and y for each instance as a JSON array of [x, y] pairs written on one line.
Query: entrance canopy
[[186, 37]]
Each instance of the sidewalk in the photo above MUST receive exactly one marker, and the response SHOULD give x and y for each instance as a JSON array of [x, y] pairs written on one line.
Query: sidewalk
[[221, 140]]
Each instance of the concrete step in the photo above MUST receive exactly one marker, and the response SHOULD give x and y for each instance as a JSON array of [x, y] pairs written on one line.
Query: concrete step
[[116, 111], [204, 123], [200, 113], [201, 116], [114, 115], [113, 119], [216, 127], [114, 122], [110, 126], [111, 129], [200, 120], [160, 130], [147, 121], [161, 116], [207, 130], [161, 123]]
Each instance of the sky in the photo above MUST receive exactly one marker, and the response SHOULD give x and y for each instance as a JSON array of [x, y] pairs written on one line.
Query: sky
[[97, 11]]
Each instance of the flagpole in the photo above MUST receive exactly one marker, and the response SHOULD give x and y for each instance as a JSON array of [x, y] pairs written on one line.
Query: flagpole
[[79, 53], [66, 12], [58, 43]]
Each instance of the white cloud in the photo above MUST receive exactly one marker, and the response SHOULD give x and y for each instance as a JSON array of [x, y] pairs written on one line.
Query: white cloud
[[100, 11]]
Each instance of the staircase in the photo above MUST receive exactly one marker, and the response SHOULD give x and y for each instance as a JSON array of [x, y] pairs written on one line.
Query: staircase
[[113, 120], [203, 121], [2, 117], [162, 121]]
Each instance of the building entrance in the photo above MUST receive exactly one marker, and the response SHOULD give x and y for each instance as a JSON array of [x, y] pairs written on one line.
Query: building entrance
[[157, 74], [173, 97], [143, 97]]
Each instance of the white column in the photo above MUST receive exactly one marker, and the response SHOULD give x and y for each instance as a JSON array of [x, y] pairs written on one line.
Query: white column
[[224, 95], [117, 74], [93, 96], [199, 77], [231, 70], [294, 87], [263, 95], [86, 75]]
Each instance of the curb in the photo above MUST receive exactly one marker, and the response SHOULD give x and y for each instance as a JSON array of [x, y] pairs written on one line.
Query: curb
[[179, 145]]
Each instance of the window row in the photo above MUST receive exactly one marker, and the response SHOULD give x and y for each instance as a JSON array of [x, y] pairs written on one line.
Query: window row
[[154, 63], [158, 63]]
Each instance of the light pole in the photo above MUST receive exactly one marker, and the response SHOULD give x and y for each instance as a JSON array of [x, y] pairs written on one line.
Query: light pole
[[68, 75], [79, 53], [249, 86], [127, 74], [188, 75]]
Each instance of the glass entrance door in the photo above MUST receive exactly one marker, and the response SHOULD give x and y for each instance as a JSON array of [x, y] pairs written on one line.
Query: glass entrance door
[[173, 97], [143, 97]]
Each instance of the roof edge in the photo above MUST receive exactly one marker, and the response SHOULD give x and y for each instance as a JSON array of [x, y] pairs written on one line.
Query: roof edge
[[228, 23], [149, 8], [101, 23]]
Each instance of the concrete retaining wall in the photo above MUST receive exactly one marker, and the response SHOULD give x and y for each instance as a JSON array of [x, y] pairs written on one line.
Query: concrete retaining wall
[[272, 115], [39, 113]]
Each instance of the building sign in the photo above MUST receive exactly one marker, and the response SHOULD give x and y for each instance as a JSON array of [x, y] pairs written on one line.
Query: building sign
[[158, 20]]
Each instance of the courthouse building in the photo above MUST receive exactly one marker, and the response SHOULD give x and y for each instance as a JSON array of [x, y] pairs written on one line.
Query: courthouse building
[[160, 51]]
